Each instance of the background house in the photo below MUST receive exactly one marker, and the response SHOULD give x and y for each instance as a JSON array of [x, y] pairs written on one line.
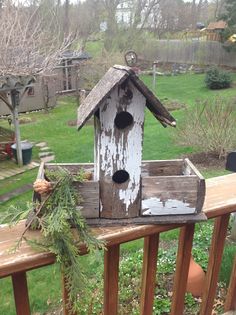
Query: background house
[[214, 30], [124, 13], [40, 95]]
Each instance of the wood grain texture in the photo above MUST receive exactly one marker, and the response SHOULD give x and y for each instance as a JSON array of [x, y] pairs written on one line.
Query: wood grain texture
[[97, 141], [182, 269], [121, 151], [230, 303], [99, 93], [89, 192], [172, 194], [147, 220], [149, 274], [175, 183], [216, 252], [220, 196], [154, 104], [21, 296], [175, 194], [149, 167], [111, 277], [162, 167], [114, 76], [190, 169]]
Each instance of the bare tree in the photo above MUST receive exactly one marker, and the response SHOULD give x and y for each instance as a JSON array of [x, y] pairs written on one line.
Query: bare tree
[[29, 45], [145, 9], [165, 17], [218, 8], [66, 17], [85, 18], [196, 11], [110, 7]]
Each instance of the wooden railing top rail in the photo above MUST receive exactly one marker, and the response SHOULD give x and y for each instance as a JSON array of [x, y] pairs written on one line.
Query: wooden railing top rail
[[220, 200]]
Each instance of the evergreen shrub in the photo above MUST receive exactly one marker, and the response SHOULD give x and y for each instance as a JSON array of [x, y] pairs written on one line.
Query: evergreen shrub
[[217, 79]]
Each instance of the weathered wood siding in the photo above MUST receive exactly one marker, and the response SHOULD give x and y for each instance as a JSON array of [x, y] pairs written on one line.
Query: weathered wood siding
[[121, 149], [190, 52]]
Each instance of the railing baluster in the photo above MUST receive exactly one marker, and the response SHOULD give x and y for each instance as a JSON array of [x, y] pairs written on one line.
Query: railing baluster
[[111, 277], [182, 268], [21, 296], [230, 303], [216, 252], [149, 273], [65, 299]]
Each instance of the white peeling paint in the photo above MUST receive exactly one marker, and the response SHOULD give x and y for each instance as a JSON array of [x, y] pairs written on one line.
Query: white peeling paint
[[155, 206], [117, 153]]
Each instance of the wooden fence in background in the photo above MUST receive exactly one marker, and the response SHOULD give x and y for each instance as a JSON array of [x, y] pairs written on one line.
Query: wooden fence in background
[[189, 51]]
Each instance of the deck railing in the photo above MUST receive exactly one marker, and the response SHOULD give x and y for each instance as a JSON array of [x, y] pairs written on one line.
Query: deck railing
[[220, 202], [148, 284]]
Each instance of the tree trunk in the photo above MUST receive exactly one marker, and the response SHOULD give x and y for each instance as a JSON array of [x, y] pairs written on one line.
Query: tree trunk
[[111, 32], [14, 97], [193, 13], [66, 18], [17, 133]]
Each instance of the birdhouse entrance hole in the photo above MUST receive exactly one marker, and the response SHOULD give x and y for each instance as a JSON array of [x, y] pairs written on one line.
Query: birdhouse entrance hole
[[123, 120], [120, 177]]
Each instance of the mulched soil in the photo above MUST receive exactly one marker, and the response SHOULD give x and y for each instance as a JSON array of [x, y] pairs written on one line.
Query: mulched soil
[[72, 123], [206, 161]]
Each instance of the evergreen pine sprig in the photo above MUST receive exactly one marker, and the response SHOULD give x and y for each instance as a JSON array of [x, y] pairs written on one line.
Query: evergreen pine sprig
[[55, 219]]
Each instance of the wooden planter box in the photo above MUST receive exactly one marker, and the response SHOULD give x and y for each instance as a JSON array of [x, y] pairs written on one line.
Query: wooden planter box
[[172, 192]]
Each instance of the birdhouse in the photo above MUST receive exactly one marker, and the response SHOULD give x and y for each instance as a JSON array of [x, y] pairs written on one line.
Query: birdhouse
[[123, 189], [118, 105]]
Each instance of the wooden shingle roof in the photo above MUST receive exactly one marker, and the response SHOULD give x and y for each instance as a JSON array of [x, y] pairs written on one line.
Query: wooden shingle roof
[[219, 25], [115, 76]]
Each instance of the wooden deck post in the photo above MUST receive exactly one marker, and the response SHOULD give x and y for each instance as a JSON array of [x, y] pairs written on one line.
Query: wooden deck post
[[230, 303], [21, 296], [149, 274], [111, 277], [182, 269], [216, 252]]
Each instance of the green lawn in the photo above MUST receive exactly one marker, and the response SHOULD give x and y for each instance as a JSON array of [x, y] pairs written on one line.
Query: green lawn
[[94, 48], [185, 88], [70, 145]]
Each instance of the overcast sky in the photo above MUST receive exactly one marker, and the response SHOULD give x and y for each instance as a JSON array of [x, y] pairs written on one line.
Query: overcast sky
[[75, 1]]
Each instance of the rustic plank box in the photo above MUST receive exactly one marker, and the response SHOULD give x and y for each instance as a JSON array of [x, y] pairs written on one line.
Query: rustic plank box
[[172, 191]]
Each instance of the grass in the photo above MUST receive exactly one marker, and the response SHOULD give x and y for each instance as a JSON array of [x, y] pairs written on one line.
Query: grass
[[185, 88], [94, 48], [227, 263], [17, 181], [71, 146], [43, 296]]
